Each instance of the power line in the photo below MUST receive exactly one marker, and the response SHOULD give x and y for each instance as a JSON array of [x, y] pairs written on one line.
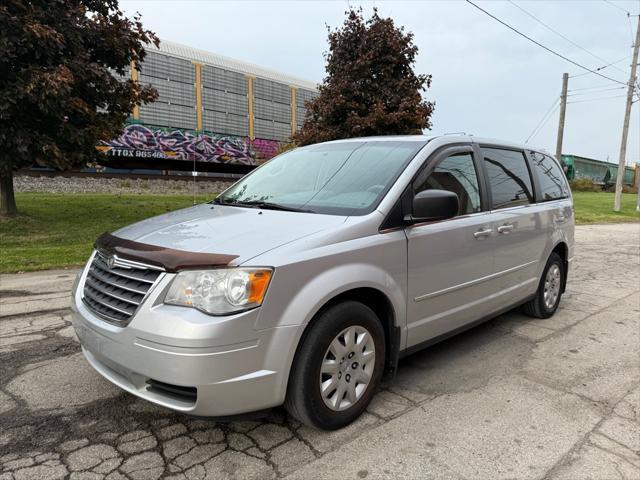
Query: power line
[[561, 35], [545, 118], [601, 68], [628, 13], [541, 45], [595, 99], [596, 91], [591, 88], [617, 6]]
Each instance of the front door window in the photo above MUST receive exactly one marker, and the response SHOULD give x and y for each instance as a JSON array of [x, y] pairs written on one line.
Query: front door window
[[456, 174]]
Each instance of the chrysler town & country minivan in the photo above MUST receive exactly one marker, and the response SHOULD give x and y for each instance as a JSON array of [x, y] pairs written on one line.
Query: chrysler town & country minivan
[[308, 278]]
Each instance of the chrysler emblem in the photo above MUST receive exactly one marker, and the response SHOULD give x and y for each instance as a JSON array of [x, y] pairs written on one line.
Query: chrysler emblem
[[111, 262]]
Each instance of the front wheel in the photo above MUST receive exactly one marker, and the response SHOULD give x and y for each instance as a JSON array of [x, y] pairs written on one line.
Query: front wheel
[[547, 298], [338, 367]]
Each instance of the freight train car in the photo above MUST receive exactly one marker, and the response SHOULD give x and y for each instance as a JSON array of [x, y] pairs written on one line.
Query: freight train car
[[213, 113], [602, 173]]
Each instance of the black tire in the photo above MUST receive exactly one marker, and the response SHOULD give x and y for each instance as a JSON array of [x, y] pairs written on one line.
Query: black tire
[[536, 307], [304, 400]]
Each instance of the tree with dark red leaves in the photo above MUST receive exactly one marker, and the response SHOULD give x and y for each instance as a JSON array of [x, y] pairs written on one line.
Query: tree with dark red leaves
[[370, 87], [58, 97]]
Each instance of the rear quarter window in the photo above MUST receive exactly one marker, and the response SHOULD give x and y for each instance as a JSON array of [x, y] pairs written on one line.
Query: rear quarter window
[[551, 178]]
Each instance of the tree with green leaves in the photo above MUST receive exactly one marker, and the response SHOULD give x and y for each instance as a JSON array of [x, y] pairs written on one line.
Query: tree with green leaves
[[58, 94], [370, 87]]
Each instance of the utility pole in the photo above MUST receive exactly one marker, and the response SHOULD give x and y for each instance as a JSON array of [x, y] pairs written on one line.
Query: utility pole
[[563, 109], [637, 182], [625, 125]]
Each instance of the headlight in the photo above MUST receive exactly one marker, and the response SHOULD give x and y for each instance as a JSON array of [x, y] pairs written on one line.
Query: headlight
[[220, 291]]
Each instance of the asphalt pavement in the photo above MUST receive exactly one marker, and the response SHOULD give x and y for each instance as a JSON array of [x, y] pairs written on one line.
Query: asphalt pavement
[[515, 398]]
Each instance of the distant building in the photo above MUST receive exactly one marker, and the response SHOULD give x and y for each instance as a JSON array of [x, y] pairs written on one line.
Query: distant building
[[599, 171], [221, 113]]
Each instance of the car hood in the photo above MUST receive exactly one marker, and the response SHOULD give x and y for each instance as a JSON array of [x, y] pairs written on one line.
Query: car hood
[[244, 232]]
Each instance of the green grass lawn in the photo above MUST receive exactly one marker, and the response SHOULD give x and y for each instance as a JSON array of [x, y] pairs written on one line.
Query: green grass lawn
[[58, 230], [597, 207]]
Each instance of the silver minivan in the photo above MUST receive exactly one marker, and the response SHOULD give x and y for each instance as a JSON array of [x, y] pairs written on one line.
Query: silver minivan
[[308, 278]]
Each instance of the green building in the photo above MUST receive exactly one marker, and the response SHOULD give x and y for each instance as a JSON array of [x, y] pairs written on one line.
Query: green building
[[600, 172]]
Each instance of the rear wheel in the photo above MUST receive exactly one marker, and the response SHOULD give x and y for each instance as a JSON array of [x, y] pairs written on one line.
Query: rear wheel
[[547, 298], [338, 367]]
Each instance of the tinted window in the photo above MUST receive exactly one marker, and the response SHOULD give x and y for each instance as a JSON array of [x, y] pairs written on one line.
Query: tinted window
[[553, 184], [456, 174], [508, 177], [347, 178]]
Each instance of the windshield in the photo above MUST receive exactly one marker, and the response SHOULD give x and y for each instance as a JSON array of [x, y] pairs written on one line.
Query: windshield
[[348, 178]]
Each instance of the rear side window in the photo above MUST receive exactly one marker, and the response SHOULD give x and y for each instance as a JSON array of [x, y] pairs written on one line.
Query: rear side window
[[553, 183], [509, 177]]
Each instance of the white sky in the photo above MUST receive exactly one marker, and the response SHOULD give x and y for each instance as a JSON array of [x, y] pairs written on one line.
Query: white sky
[[487, 80]]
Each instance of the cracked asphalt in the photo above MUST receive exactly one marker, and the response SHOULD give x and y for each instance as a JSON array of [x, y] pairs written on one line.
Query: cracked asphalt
[[513, 398]]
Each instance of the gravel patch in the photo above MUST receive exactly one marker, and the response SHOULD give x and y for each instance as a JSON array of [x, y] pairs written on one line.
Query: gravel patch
[[149, 186]]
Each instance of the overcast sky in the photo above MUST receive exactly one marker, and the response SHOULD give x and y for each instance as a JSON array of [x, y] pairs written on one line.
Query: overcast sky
[[487, 80]]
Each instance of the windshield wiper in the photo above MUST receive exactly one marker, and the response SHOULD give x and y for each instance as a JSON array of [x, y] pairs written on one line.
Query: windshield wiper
[[263, 205], [276, 206]]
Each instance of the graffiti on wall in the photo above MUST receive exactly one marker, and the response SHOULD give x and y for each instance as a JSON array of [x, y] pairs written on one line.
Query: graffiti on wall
[[139, 141], [264, 149]]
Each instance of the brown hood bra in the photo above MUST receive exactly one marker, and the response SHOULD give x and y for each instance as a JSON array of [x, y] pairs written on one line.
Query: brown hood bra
[[170, 259]]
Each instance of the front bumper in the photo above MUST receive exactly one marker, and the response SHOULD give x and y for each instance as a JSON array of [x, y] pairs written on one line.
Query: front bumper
[[231, 367]]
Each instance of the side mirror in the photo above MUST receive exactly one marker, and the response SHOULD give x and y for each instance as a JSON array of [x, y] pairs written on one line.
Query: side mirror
[[432, 205]]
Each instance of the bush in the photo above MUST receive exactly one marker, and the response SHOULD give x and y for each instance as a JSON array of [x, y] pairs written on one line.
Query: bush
[[285, 147], [584, 185], [625, 188]]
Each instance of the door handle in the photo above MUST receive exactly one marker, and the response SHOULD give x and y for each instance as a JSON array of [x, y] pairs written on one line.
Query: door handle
[[480, 234], [505, 229]]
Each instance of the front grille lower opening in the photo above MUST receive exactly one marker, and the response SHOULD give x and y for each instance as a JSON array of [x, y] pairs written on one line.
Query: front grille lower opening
[[189, 394]]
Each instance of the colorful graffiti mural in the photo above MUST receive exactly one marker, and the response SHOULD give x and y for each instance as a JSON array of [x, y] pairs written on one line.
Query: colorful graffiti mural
[[139, 141]]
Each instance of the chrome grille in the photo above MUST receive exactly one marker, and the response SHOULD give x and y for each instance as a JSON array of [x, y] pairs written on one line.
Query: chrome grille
[[115, 293]]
